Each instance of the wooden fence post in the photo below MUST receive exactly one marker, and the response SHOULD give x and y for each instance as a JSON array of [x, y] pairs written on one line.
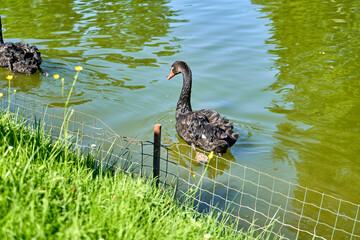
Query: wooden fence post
[[157, 148]]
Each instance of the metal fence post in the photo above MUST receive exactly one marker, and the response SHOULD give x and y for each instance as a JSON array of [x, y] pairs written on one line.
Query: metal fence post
[[156, 160]]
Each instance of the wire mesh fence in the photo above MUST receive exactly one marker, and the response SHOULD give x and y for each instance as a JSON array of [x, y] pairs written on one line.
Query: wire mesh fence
[[257, 198], [253, 198]]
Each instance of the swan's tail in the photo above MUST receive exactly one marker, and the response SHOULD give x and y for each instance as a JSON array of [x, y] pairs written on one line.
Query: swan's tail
[[234, 136]]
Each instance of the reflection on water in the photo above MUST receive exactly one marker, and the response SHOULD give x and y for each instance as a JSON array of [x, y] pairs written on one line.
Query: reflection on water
[[215, 167], [106, 36], [318, 89]]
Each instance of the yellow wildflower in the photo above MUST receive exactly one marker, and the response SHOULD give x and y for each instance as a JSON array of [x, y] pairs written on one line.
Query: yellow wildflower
[[9, 77], [78, 68], [211, 155], [56, 76], [15, 91], [62, 80], [1, 95]]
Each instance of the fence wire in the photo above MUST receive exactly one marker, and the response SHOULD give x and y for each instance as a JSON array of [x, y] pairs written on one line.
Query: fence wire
[[253, 198]]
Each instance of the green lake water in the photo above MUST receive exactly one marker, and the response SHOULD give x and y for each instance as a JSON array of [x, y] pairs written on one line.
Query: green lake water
[[285, 72]]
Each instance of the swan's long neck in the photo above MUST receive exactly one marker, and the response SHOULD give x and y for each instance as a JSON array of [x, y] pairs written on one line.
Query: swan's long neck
[[184, 104], [1, 37]]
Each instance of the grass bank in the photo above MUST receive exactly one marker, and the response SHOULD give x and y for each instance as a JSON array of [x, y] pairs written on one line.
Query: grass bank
[[48, 192]]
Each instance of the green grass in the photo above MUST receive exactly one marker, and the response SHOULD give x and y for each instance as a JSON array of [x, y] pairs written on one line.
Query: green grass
[[48, 192]]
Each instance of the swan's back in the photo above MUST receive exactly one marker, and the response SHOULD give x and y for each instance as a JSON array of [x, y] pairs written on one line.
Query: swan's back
[[20, 57], [206, 129]]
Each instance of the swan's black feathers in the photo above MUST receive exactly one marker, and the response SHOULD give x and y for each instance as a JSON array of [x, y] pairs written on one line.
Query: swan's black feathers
[[206, 129], [20, 57]]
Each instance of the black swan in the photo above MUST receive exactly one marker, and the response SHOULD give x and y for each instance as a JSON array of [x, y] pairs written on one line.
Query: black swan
[[19, 57], [204, 128]]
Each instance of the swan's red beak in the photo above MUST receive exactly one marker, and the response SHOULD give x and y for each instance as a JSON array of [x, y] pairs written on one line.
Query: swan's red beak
[[171, 75]]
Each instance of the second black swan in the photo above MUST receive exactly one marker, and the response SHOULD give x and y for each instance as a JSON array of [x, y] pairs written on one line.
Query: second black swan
[[204, 128], [19, 57]]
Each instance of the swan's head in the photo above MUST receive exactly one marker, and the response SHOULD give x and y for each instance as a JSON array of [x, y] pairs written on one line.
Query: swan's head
[[178, 67]]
